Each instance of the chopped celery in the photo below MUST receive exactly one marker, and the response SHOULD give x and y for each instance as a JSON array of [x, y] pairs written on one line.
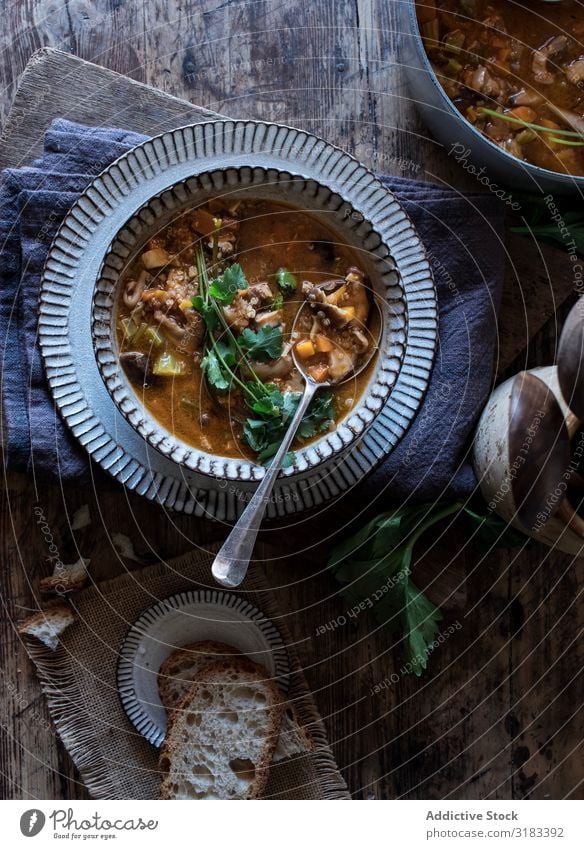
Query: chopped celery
[[453, 67], [190, 406], [128, 329], [168, 366], [139, 334], [154, 336]]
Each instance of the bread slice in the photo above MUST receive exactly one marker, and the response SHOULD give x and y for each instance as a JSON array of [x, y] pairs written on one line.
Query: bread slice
[[223, 735], [67, 578], [180, 670], [47, 625]]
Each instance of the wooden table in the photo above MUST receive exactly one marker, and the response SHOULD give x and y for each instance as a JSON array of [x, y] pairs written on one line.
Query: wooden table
[[498, 715]]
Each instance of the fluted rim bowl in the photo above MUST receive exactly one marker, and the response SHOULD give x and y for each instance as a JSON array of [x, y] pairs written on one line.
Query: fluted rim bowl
[[157, 180]]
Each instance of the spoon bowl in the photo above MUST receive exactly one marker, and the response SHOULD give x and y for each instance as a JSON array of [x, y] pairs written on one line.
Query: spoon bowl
[[231, 563]]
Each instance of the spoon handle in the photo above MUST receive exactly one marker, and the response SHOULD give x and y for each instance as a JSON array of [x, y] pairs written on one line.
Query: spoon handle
[[231, 563]]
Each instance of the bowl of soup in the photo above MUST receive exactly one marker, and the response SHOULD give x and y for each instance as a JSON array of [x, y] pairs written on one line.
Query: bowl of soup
[[198, 293], [501, 85]]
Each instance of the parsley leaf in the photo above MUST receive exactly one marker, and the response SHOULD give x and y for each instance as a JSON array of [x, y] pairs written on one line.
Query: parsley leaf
[[224, 288], [318, 417], [269, 403], [286, 281], [493, 532], [274, 410], [217, 362], [207, 311], [374, 565], [264, 344], [278, 302]]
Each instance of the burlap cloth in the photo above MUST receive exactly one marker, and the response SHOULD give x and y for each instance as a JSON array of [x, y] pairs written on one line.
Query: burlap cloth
[[79, 682]]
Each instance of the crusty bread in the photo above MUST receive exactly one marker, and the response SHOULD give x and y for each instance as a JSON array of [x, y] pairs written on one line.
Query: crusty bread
[[223, 734], [66, 578], [47, 625], [181, 668]]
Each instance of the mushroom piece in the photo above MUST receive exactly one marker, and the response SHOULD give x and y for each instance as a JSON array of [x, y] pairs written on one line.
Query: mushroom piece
[[357, 293], [551, 48], [576, 122], [137, 366], [190, 337], [316, 297], [575, 71], [274, 369], [526, 97], [134, 288], [334, 297], [155, 258], [269, 318], [171, 325], [362, 342], [341, 363]]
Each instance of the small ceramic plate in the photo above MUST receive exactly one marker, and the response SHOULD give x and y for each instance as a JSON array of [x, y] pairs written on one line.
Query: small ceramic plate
[[190, 617]]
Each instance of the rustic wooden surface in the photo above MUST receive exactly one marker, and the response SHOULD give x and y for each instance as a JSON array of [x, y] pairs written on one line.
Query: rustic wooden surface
[[497, 716]]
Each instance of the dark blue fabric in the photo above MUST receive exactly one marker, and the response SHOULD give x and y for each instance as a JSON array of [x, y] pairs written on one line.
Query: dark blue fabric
[[463, 236]]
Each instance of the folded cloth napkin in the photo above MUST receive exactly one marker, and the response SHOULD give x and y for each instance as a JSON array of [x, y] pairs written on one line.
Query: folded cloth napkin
[[463, 237]]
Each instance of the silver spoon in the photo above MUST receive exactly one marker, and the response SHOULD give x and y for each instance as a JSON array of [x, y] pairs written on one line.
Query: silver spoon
[[231, 563]]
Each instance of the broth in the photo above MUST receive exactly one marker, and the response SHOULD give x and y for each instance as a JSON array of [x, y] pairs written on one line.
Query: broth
[[212, 388]]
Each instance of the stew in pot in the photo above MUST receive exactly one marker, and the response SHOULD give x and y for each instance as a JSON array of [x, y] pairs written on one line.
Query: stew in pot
[[516, 71]]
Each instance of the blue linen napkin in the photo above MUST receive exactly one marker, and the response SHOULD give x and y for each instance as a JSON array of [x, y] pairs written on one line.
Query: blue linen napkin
[[463, 236]]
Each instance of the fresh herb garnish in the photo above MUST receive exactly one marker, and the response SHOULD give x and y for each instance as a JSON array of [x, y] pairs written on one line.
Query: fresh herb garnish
[[217, 364], [264, 344], [224, 288], [286, 281], [264, 434], [278, 302], [228, 360], [375, 566], [540, 128]]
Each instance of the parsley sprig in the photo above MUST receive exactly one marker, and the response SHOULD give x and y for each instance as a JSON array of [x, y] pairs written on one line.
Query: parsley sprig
[[227, 363], [374, 565]]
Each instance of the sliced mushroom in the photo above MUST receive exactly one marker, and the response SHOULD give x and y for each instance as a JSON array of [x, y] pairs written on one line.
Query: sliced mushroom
[[362, 340], [526, 97], [341, 363], [134, 288], [170, 324], [192, 335], [575, 71], [137, 366], [551, 48], [274, 369], [576, 122], [269, 318], [357, 293]]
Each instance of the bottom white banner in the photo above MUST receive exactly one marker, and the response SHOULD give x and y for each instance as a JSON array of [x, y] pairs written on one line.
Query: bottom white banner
[[434, 823]]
